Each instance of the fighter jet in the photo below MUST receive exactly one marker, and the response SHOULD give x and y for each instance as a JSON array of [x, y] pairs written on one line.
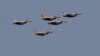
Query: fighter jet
[[65, 14], [21, 22], [56, 22], [39, 33], [49, 18]]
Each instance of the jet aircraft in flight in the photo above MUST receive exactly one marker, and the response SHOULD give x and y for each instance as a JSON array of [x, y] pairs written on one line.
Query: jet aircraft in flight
[[49, 18], [65, 14], [39, 33], [56, 22], [20, 22]]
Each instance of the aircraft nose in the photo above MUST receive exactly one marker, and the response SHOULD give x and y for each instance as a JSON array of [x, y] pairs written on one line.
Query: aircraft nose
[[57, 17], [50, 32], [80, 14], [29, 21], [65, 21]]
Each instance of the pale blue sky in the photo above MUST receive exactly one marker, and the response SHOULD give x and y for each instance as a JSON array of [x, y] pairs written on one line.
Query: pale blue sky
[[79, 37]]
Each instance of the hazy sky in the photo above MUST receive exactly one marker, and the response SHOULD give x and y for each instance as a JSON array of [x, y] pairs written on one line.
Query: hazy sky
[[80, 36]]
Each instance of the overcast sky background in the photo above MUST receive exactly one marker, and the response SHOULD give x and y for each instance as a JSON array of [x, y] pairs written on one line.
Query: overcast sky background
[[80, 36]]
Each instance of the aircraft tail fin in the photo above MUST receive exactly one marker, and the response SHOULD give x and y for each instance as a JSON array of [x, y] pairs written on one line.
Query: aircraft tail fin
[[13, 20], [36, 30], [64, 12], [42, 16]]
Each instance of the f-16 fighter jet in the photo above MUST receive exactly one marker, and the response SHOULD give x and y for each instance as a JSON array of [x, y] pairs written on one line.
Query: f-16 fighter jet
[[39, 33], [49, 18], [21, 22], [56, 22], [65, 14]]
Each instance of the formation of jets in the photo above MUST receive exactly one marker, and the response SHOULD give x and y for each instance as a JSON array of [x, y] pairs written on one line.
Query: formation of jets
[[52, 20]]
